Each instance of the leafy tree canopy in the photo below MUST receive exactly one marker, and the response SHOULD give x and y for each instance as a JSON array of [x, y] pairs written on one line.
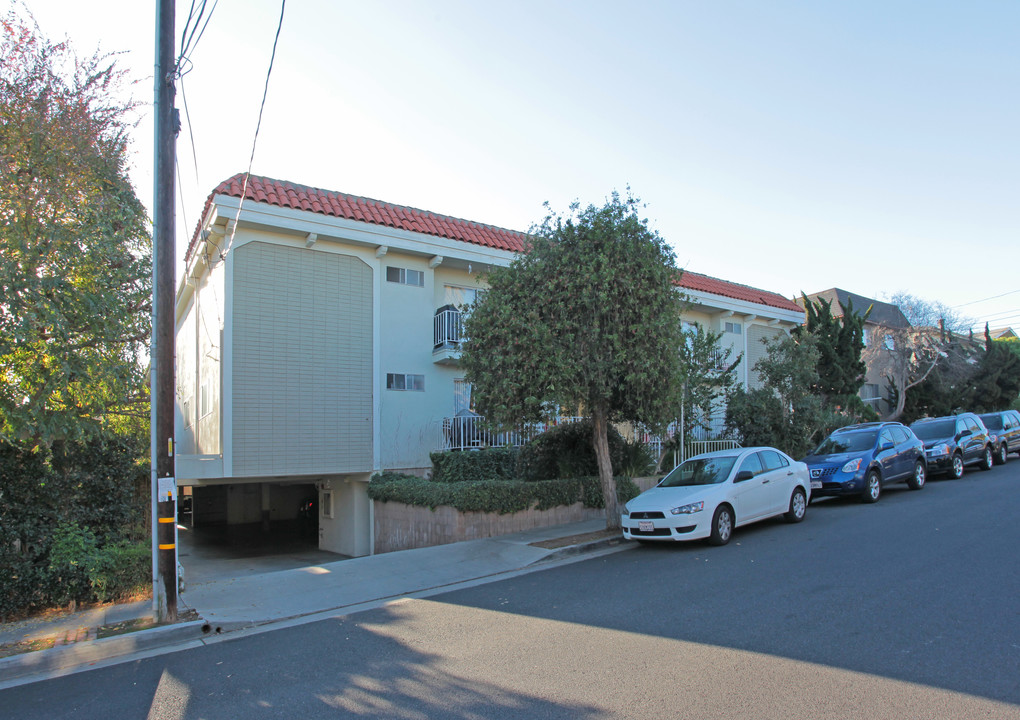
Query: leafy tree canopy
[[74, 252], [840, 341], [588, 317]]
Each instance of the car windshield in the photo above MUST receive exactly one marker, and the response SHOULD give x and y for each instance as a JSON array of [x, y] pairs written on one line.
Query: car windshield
[[935, 430], [700, 471], [839, 443], [992, 422]]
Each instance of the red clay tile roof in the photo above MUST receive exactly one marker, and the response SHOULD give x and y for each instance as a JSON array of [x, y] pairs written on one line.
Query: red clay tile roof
[[351, 207], [707, 284]]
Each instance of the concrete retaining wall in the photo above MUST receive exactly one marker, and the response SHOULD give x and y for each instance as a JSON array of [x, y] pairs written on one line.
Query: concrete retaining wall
[[402, 527]]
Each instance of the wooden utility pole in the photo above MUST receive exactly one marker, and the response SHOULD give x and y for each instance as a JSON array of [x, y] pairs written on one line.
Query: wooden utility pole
[[164, 483]]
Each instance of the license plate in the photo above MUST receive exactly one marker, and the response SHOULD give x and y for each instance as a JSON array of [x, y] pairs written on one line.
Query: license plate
[[645, 526], [816, 484]]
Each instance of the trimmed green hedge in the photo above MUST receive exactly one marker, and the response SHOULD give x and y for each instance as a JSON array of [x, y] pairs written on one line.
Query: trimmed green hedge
[[496, 496], [483, 464], [73, 524]]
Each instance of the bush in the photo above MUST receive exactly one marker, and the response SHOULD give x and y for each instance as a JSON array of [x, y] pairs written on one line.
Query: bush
[[483, 464], [496, 496], [566, 451], [67, 517]]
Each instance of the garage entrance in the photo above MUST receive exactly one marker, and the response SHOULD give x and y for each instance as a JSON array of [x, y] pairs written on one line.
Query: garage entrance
[[241, 529]]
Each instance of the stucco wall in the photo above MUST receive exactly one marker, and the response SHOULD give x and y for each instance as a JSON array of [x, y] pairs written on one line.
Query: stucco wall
[[403, 527]]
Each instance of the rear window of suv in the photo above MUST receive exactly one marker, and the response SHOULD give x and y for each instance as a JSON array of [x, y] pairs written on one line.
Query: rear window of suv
[[935, 430]]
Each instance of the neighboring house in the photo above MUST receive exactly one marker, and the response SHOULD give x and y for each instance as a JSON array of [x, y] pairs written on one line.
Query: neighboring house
[[885, 324], [318, 341], [1003, 333]]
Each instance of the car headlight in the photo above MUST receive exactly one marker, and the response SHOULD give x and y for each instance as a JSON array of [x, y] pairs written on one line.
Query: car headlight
[[689, 509], [852, 466], [938, 450]]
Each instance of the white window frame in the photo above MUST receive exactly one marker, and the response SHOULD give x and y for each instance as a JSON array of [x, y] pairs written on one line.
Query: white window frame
[[734, 328], [405, 276], [405, 382]]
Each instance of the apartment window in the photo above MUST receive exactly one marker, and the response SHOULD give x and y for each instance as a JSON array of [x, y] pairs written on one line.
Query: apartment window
[[733, 327], [461, 396], [890, 343], [865, 337], [205, 403], [871, 394], [404, 381], [404, 276]]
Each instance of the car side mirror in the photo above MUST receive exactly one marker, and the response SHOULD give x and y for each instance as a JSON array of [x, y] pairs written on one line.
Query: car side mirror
[[962, 434], [743, 475], [887, 446]]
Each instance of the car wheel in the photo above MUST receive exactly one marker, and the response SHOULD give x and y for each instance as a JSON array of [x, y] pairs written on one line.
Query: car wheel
[[916, 481], [798, 506], [986, 458], [956, 468], [872, 487], [722, 525], [1002, 457]]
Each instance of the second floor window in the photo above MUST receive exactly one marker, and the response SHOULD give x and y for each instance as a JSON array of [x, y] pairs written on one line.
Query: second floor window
[[405, 381], [404, 276]]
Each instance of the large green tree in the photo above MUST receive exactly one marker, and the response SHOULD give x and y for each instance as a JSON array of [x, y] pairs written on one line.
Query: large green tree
[[785, 411], [840, 342], [74, 251], [588, 318]]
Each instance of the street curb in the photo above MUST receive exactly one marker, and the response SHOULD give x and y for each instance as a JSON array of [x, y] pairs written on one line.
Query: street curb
[[593, 546], [86, 653]]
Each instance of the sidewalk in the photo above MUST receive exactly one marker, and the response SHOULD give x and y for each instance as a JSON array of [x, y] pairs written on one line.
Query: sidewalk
[[254, 600]]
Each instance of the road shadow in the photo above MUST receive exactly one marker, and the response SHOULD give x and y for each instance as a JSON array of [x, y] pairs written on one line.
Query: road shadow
[[344, 667]]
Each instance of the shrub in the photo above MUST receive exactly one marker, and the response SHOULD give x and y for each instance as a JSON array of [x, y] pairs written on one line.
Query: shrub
[[497, 496], [566, 451], [483, 464], [67, 515]]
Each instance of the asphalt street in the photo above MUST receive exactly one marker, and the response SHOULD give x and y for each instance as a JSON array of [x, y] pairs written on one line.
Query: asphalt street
[[909, 608]]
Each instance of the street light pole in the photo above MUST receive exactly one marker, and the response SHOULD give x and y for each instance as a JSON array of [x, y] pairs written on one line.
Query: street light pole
[[164, 484]]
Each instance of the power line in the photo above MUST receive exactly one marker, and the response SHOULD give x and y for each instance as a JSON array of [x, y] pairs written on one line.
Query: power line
[[994, 297], [258, 125]]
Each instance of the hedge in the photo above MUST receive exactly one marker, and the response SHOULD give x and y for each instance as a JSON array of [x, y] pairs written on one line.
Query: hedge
[[73, 524], [482, 464], [495, 496]]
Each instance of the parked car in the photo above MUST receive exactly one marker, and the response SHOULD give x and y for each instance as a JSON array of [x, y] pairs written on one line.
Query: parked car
[[952, 442], [713, 493], [1005, 426], [861, 459]]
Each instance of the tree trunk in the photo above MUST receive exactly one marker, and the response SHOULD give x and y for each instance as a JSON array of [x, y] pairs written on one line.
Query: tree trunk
[[600, 440]]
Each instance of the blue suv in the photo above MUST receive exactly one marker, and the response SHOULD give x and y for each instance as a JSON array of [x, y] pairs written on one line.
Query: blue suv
[[861, 459]]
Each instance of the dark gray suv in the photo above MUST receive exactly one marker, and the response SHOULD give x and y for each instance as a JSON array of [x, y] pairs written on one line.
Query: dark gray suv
[[953, 442]]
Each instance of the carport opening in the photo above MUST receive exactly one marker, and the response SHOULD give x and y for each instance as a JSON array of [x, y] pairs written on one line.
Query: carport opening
[[248, 528]]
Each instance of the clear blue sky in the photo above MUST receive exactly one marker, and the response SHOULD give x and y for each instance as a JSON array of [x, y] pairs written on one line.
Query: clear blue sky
[[867, 145]]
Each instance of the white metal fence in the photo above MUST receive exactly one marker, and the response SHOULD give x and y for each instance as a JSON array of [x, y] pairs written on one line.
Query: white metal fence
[[467, 432]]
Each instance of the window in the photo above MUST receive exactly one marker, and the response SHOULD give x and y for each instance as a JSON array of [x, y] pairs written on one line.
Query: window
[[751, 463], [461, 298], [890, 343], [461, 396], [733, 327], [405, 276], [402, 381], [865, 336], [205, 403], [871, 394], [773, 460], [327, 503]]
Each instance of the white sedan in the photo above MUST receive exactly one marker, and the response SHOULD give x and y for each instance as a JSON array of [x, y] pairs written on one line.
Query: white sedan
[[709, 495]]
